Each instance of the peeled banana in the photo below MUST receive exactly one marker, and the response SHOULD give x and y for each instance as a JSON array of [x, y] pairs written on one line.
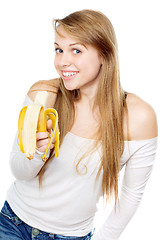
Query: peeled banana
[[33, 119]]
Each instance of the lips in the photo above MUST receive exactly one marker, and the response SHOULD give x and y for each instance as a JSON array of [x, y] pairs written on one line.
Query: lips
[[67, 75]]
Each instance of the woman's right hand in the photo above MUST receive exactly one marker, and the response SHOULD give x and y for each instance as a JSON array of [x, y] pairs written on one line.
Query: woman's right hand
[[43, 140]]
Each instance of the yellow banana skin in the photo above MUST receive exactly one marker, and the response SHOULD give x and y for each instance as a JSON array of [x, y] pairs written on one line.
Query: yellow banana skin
[[33, 119], [53, 115], [20, 127]]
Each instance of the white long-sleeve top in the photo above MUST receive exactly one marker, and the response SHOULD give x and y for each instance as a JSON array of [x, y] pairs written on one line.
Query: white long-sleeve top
[[67, 202]]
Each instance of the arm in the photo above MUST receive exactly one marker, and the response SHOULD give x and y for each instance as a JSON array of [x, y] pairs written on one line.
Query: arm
[[137, 173], [142, 125], [21, 167]]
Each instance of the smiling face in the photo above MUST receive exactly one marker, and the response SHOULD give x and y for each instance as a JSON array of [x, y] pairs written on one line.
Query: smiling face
[[77, 64]]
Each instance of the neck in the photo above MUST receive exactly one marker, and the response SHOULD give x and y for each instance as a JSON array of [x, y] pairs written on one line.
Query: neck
[[86, 101], [88, 95]]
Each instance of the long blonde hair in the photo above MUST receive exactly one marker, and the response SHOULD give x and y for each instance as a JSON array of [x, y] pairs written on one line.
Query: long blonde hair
[[94, 28]]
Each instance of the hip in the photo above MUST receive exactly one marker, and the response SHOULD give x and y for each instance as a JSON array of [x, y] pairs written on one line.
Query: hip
[[12, 227]]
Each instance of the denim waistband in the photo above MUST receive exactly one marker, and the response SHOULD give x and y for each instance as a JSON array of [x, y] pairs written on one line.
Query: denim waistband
[[8, 212]]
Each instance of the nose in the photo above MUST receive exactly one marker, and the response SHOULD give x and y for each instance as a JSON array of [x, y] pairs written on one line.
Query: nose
[[65, 60]]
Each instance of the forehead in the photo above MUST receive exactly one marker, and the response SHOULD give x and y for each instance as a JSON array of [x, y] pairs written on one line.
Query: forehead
[[64, 39], [61, 36]]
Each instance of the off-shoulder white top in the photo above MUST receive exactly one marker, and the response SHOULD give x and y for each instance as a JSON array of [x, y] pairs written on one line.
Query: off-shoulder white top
[[67, 202]]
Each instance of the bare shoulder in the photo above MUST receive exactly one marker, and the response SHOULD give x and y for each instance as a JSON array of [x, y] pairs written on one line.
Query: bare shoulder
[[51, 86], [142, 121]]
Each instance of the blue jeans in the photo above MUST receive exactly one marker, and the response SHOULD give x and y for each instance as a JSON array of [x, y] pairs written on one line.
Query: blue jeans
[[13, 228]]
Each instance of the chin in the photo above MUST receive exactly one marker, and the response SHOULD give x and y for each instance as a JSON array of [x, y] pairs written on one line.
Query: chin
[[70, 88]]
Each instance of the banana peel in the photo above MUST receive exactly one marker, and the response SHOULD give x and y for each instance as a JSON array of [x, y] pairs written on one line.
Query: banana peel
[[32, 119]]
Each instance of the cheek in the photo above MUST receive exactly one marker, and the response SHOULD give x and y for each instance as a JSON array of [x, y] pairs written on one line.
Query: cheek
[[84, 64], [91, 67]]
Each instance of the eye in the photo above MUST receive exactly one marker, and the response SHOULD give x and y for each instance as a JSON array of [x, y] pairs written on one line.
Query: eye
[[76, 51], [58, 50]]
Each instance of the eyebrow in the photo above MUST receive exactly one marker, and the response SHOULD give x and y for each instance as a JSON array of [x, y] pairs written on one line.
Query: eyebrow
[[72, 44]]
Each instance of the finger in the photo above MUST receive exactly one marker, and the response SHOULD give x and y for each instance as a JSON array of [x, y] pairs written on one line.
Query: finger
[[52, 146], [42, 142], [42, 135], [42, 149], [49, 125]]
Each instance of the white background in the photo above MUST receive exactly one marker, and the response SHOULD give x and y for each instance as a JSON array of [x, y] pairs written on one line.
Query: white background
[[27, 55]]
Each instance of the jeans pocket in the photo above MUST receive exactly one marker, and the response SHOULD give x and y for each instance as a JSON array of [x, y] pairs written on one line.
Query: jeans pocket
[[8, 213]]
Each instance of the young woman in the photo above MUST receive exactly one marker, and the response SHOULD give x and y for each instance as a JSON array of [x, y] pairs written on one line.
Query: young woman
[[102, 129]]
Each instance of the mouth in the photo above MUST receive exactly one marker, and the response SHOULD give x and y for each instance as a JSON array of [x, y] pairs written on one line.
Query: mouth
[[69, 74]]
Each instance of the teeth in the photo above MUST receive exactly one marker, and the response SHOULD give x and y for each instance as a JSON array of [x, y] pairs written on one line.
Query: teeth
[[68, 74]]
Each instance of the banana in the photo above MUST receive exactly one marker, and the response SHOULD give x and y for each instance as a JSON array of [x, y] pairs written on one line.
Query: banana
[[33, 119]]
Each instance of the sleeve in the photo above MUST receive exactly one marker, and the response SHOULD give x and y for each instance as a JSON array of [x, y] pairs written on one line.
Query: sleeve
[[21, 167], [137, 172]]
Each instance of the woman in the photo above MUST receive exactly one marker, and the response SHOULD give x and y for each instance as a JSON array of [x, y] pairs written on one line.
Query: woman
[[102, 129]]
